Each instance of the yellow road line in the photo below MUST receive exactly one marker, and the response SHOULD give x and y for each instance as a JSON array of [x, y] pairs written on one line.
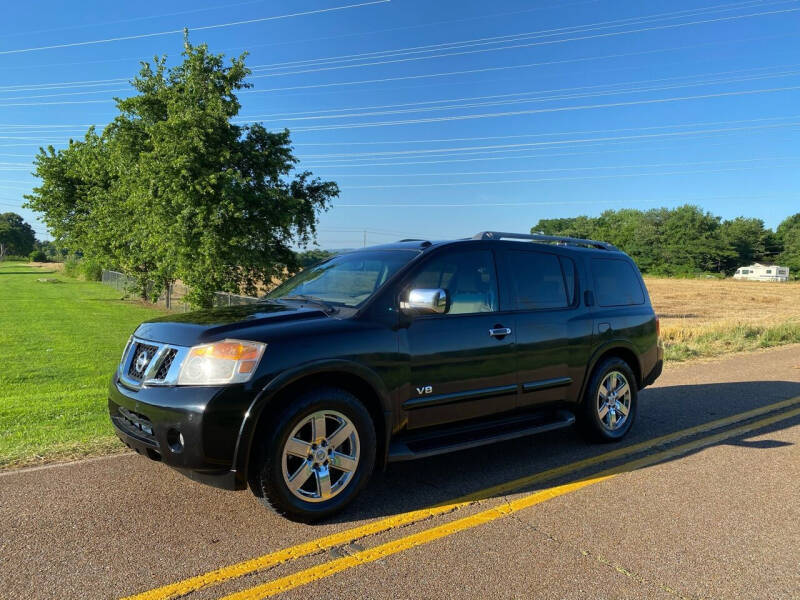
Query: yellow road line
[[327, 569], [191, 584]]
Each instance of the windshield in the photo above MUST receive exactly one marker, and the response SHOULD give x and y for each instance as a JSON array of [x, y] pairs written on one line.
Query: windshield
[[345, 280]]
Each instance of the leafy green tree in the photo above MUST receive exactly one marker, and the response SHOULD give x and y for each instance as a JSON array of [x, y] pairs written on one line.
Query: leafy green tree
[[748, 238], [678, 241], [311, 257], [174, 189], [788, 233], [580, 227], [16, 236]]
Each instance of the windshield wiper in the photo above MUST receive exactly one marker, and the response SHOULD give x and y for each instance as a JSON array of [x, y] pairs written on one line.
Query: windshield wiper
[[329, 308]]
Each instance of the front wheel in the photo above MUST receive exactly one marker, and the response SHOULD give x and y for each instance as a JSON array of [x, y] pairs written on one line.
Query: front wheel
[[610, 402], [316, 457]]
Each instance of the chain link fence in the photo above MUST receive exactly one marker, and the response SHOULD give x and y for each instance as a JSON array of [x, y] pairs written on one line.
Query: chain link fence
[[173, 298]]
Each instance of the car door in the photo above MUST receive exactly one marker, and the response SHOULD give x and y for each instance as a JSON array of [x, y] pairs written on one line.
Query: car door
[[462, 361], [542, 287]]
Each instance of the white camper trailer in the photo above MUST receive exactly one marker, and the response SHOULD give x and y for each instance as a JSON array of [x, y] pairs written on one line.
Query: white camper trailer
[[762, 272]]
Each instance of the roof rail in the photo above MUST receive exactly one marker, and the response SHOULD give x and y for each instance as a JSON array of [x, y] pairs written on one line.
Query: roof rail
[[538, 237], [423, 243]]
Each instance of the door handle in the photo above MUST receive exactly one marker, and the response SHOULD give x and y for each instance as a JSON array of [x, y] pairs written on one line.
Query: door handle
[[500, 332]]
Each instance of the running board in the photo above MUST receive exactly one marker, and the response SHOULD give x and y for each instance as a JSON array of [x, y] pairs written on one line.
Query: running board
[[441, 440]]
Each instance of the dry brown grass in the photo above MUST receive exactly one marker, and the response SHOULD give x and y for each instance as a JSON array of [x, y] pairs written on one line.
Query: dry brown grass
[[708, 317], [53, 266]]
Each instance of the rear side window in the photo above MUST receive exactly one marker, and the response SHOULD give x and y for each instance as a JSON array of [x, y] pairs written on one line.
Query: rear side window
[[537, 281], [616, 283]]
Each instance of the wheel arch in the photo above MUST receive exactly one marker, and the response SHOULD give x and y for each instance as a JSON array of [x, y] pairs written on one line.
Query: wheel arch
[[617, 348], [357, 379]]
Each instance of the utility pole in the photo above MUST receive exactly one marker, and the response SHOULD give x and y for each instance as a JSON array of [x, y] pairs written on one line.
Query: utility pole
[[365, 238]]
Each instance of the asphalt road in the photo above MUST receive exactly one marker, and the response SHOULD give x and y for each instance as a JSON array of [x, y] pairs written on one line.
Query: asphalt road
[[702, 499]]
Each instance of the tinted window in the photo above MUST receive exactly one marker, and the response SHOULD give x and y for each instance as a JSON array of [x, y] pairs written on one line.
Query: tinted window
[[468, 277], [537, 280], [570, 277], [616, 283], [348, 279]]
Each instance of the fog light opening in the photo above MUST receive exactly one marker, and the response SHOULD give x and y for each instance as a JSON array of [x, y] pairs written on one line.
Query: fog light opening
[[175, 441]]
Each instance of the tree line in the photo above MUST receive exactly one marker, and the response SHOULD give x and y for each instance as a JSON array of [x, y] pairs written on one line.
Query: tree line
[[686, 240], [16, 236], [174, 188]]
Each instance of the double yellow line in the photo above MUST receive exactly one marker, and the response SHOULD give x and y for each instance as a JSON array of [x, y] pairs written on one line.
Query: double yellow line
[[329, 568]]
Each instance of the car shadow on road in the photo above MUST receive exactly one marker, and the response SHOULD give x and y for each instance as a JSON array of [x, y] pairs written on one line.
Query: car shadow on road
[[662, 411]]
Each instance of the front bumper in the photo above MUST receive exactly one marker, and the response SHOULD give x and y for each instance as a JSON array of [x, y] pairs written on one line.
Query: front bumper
[[192, 429]]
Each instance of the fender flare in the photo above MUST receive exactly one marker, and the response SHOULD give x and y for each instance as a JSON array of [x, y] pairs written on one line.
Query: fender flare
[[605, 347], [264, 398]]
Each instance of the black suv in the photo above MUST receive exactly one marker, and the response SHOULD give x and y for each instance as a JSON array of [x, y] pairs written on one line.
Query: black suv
[[390, 353]]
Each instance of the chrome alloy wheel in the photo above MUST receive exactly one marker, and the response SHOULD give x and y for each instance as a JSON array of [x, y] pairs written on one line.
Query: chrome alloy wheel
[[321, 456], [613, 401]]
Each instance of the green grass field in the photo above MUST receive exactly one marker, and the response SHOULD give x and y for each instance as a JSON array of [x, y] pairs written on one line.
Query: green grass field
[[59, 344]]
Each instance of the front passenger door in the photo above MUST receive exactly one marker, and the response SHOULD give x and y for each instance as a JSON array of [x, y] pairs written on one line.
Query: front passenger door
[[461, 362]]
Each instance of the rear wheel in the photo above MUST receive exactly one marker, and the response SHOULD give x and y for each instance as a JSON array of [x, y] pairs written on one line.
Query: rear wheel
[[610, 401], [316, 456]]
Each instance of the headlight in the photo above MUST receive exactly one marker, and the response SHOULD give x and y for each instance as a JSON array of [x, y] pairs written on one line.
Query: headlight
[[228, 361]]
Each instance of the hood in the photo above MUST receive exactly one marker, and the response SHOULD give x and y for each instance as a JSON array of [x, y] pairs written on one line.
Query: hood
[[203, 326]]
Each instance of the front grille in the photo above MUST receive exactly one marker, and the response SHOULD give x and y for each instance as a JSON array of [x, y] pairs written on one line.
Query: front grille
[[136, 424], [140, 359], [166, 363]]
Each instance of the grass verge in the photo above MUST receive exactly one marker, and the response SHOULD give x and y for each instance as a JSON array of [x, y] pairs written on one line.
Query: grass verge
[[681, 344], [61, 340]]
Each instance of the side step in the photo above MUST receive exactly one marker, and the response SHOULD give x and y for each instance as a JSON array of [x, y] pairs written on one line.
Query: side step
[[440, 440]]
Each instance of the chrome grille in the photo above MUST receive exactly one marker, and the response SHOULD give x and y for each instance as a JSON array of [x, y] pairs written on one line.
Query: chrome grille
[[141, 357], [145, 362], [166, 363]]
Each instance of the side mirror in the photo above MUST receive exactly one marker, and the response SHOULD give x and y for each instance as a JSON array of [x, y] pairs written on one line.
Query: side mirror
[[425, 301]]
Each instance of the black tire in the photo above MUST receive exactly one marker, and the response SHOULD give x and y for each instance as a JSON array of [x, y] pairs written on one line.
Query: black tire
[[589, 421], [266, 473]]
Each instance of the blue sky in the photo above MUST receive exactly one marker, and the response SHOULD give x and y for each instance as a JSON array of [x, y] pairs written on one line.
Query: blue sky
[[443, 118]]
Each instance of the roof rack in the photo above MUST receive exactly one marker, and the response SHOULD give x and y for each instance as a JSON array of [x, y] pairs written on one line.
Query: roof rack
[[538, 237]]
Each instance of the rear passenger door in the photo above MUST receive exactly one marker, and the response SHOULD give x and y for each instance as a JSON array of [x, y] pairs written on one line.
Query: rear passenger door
[[552, 338]]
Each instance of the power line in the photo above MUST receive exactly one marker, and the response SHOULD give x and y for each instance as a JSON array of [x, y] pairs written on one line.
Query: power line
[[529, 145], [549, 110], [754, 72], [83, 93], [529, 45], [499, 99], [29, 87], [133, 19], [202, 28], [548, 179], [480, 138], [574, 169], [543, 134], [682, 199], [331, 37], [513, 37], [532, 97], [483, 158], [592, 57]]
